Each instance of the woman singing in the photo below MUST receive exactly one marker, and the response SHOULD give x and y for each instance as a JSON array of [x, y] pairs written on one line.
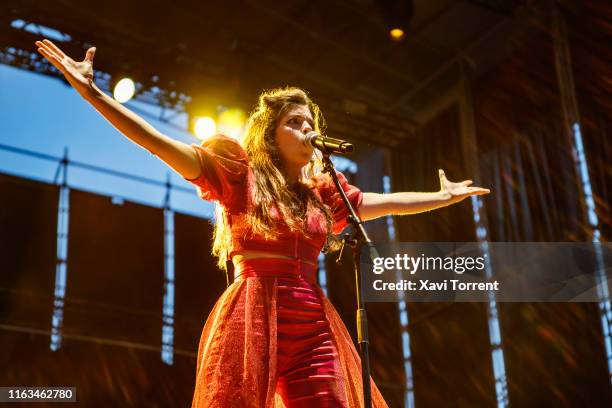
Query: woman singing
[[273, 339]]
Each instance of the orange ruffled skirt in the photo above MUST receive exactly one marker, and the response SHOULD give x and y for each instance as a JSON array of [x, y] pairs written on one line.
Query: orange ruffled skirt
[[274, 340]]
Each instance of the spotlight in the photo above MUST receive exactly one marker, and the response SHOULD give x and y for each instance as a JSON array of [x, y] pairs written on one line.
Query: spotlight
[[124, 90], [231, 122], [204, 127], [397, 15], [397, 34], [207, 117]]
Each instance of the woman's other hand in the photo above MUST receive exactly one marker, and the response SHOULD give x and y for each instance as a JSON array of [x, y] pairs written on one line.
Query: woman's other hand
[[456, 192], [78, 74]]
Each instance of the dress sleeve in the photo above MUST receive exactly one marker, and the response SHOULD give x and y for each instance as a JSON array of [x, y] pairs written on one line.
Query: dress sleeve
[[331, 197], [223, 171]]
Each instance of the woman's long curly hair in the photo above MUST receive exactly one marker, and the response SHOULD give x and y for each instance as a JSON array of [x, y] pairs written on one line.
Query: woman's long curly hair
[[271, 191]]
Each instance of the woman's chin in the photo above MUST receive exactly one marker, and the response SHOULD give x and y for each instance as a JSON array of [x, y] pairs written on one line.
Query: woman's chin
[[302, 161]]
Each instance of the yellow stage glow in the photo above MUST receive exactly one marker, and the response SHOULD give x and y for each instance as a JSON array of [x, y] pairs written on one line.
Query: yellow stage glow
[[396, 34], [231, 122], [124, 90], [205, 127]]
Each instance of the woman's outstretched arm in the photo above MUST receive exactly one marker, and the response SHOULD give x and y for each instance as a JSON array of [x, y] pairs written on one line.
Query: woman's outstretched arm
[[376, 205], [179, 156]]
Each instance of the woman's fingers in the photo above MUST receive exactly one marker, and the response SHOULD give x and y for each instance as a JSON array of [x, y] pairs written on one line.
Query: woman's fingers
[[466, 182], [41, 44], [89, 56], [55, 48], [479, 190], [79, 75], [49, 50], [51, 58]]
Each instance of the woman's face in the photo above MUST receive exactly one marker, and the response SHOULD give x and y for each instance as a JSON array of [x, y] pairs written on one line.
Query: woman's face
[[290, 136]]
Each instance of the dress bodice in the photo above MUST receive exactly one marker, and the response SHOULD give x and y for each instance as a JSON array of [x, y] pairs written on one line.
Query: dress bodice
[[227, 178]]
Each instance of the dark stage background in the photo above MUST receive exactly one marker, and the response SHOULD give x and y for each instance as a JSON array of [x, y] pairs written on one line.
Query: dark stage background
[[490, 102]]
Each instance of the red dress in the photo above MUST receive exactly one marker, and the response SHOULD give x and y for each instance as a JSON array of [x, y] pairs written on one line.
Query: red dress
[[273, 339]]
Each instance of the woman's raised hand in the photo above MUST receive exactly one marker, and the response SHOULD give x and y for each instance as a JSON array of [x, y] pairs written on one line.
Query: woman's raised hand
[[458, 191], [178, 155], [78, 74]]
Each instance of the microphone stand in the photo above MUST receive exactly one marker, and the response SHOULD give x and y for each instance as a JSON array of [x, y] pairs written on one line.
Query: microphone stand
[[360, 238]]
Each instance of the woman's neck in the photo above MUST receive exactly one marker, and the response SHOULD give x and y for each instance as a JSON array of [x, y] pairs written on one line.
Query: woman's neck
[[292, 176]]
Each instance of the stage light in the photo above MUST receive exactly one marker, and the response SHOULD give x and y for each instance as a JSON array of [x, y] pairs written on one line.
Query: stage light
[[231, 122], [204, 127], [397, 15], [124, 90], [397, 34]]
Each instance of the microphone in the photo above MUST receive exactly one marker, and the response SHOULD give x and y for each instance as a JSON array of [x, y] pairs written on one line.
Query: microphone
[[327, 144]]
